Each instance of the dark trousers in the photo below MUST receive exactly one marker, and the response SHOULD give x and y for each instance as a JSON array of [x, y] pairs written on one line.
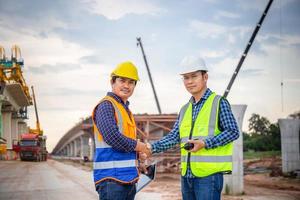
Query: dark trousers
[[112, 190], [206, 188]]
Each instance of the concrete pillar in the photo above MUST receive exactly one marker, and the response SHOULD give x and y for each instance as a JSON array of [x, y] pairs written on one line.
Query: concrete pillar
[[234, 183], [85, 151], [79, 149], [84, 146], [6, 117], [65, 151], [289, 130], [81, 146], [92, 148], [69, 150], [72, 148], [14, 129], [75, 148], [22, 128]]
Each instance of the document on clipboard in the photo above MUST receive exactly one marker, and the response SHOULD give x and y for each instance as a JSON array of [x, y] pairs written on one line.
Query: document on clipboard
[[145, 179]]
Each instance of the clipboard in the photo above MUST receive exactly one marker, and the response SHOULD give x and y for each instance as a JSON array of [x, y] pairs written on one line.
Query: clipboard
[[145, 179]]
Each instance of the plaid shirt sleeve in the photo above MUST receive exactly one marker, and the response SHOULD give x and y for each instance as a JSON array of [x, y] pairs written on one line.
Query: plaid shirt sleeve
[[167, 141], [228, 126], [107, 125]]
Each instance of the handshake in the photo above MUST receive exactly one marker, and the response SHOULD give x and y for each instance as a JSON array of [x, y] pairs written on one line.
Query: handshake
[[144, 152], [144, 149]]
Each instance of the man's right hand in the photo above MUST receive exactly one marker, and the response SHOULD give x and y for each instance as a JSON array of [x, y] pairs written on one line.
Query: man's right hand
[[142, 147]]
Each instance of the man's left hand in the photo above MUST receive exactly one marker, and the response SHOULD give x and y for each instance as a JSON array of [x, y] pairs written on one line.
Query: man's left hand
[[142, 168], [198, 144]]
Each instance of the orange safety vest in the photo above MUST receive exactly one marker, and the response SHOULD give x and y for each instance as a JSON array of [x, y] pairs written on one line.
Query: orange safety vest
[[108, 162]]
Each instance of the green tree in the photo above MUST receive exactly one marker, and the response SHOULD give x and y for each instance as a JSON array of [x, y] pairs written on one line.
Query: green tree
[[258, 125], [295, 115], [263, 136]]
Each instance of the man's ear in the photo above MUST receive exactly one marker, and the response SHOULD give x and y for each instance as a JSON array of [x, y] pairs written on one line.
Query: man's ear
[[205, 77]]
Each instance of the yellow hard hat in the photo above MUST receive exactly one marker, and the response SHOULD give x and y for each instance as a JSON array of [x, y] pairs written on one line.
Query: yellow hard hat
[[127, 70]]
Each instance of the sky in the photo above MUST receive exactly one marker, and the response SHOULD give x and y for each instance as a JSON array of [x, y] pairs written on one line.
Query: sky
[[70, 48]]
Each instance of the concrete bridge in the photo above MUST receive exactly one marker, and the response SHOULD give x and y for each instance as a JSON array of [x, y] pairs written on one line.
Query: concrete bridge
[[77, 143]]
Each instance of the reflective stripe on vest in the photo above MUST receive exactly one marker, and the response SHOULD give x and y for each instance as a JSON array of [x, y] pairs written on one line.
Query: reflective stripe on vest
[[205, 161], [208, 158], [114, 164]]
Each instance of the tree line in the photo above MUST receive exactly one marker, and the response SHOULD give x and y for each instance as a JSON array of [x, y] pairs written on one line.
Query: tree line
[[263, 135]]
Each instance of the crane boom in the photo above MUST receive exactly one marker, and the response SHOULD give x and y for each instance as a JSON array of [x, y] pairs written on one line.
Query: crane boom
[[139, 40], [38, 128], [247, 48]]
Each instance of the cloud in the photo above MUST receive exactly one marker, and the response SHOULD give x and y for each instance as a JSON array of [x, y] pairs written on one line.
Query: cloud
[[225, 14], [37, 23], [72, 92], [116, 9], [206, 29], [57, 68], [260, 5], [210, 30], [249, 73], [92, 59]]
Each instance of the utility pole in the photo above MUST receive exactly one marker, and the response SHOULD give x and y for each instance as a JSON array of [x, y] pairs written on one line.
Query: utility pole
[[247, 48], [139, 43]]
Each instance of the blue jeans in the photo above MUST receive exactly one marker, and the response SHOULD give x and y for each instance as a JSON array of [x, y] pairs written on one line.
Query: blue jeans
[[111, 190], [206, 188]]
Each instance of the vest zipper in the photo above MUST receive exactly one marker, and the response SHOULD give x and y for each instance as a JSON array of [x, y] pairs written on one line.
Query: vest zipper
[[189, 153]]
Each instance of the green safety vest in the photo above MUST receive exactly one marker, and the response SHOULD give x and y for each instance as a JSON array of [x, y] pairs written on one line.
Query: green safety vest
[[205, 161]]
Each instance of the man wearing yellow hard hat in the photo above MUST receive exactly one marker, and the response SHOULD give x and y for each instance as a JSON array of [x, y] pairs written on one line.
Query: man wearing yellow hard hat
[[115, 159]]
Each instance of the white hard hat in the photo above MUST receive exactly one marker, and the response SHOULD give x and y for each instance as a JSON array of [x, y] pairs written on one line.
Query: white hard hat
[[192, 64]]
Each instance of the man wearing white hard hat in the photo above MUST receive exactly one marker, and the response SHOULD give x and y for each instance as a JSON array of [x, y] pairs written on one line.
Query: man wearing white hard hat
[[207, 123]]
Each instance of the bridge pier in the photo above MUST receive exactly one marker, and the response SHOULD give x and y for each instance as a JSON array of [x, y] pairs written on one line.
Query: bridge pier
[[72, 149], [69, 150], [91, 147], [84, 143], [290, 130], [22, 127], [7, 130], [75, 147], [65, 151], [234, 183]]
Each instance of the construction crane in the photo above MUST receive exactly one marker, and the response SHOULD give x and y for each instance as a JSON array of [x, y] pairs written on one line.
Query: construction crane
[[139, 43], [11, 70], [38, 129], [12, 83], [33, 144], [249, 44]]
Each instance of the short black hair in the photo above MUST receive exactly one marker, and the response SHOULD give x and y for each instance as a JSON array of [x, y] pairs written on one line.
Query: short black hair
[[203, 72]]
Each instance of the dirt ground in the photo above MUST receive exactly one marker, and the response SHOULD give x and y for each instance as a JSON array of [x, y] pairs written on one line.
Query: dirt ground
[[258, 185]]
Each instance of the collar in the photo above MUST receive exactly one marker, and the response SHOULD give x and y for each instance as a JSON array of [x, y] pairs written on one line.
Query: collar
[[207, 93], [117, 98]]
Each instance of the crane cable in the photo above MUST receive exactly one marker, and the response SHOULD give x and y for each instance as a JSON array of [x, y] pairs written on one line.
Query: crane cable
[[280, 54]]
